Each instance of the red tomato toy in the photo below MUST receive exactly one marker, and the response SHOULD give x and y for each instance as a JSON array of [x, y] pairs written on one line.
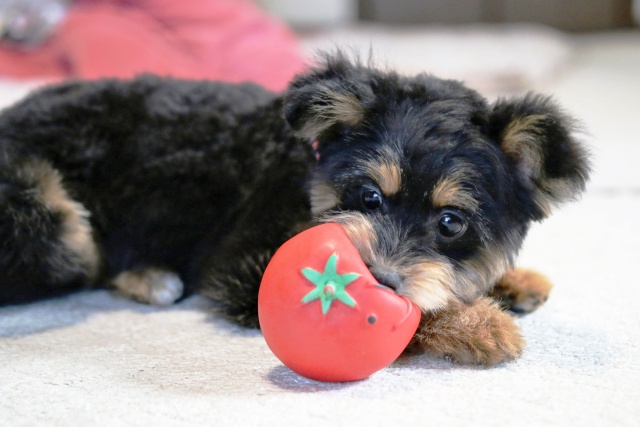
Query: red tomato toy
[[323, 314]]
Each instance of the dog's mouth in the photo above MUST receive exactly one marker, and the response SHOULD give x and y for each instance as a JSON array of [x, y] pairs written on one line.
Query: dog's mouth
[[388, 287]]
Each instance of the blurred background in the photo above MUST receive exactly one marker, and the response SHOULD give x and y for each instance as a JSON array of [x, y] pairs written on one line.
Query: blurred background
[[585, 52], [573, 15], [492, 44]]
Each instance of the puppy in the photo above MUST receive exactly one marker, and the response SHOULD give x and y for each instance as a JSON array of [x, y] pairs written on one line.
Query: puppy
[[161, 187]]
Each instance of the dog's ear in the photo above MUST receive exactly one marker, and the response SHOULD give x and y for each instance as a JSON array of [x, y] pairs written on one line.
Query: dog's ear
[[551, 165], [336, 93]]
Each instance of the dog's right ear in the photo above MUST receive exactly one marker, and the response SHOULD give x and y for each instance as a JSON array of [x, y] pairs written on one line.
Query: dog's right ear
[[539, 141], [333, 95]]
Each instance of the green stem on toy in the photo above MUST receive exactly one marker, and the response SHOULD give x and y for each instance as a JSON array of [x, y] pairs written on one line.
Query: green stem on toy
[[329, 285]]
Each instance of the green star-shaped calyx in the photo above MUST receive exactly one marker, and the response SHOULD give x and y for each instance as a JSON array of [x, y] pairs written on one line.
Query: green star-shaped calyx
[[329, 285]]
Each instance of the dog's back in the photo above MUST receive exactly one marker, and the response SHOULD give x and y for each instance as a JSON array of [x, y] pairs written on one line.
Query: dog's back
[[102, 177]]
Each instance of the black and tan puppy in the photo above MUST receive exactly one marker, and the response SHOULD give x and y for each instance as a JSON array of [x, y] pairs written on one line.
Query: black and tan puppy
[[160, 187]]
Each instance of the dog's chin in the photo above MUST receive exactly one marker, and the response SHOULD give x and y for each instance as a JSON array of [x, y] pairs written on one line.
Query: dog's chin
[[428, 301], [426, 284]]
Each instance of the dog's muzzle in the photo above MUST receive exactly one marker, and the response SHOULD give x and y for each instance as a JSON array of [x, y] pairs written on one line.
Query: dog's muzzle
[[389, 278]]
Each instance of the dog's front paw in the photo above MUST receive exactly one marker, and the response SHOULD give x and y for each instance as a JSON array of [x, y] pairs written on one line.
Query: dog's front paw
[[476, 334], [521, 290]]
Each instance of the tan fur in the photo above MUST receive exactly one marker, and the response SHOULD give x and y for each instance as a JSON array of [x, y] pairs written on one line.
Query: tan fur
[[360, 232], [152, 286], [428, 284], [323, 197], [333, 108], [476, 334], [387, 175], [522, 290], [563, 189], [76, 234], [520, 141], [480, 273], [448, 191]]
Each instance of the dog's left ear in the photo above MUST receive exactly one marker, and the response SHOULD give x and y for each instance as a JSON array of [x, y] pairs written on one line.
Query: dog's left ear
[[551, 165], [335, 94]]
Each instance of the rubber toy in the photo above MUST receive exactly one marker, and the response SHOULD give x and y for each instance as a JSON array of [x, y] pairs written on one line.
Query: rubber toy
[[324, 315]]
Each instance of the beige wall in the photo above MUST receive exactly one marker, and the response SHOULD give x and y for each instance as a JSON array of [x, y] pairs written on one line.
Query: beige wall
[[565, 14]]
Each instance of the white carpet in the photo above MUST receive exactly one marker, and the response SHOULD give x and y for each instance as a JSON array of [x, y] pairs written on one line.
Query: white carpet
[[95, 359]]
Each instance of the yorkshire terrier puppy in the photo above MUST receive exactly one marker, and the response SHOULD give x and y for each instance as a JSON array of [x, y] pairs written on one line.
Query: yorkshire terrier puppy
[[160, 187]]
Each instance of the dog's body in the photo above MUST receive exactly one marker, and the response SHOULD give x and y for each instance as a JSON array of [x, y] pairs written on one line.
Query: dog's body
[[112, 177], [155, 183]]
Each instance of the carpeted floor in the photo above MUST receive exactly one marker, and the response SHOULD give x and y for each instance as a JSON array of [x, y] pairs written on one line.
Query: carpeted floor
[[96, 359]]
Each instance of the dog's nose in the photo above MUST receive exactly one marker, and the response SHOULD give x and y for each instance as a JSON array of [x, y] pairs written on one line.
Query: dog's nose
[[387, 277]]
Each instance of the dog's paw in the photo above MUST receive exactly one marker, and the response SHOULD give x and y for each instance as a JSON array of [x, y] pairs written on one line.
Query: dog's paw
[[521, 291], [151, 286], [476, 334]]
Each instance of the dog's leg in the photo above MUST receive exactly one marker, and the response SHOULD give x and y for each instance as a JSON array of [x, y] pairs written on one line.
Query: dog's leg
[[47, 247], [234, 285], [152, 286], [476, 334], [231, 277], [521, 291], [231, 273]]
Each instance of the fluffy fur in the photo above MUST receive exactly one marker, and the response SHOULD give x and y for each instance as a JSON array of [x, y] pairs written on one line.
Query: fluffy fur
[[156, 186]]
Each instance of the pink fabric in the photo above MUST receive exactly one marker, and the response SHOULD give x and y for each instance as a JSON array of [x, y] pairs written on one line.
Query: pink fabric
[[230, 40]]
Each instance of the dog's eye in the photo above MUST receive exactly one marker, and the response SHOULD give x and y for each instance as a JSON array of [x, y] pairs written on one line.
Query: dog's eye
[[451, 224], [371, 199]]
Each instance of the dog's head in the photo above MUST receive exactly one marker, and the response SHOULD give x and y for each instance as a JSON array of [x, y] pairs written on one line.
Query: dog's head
[[434, 186]]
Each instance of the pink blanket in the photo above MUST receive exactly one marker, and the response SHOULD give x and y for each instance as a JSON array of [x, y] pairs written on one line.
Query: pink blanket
[[231, 40]]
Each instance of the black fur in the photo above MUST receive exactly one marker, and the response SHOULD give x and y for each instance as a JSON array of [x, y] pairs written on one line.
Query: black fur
[[174, 174], [208, 179]]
